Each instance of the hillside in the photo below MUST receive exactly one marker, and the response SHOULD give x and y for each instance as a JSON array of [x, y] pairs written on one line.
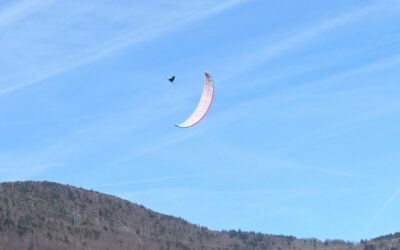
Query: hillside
[[44, 215]]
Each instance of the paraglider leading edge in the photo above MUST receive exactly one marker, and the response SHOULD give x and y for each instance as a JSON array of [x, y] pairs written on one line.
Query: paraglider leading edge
[[199, 110]]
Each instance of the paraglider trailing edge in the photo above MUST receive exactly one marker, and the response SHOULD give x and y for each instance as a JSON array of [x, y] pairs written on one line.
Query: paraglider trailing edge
[[203, 106]]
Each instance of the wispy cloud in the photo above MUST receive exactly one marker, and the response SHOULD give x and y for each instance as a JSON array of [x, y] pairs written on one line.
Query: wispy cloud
[[240, 111], [244, 62], [159, 179], [96, 134], [251, 59], [281, 201], [12, 169], [157, 29], [154, 30], [382, 209], [255, 158], [163, 25], [69, 147], [21, 10], [152, 146]]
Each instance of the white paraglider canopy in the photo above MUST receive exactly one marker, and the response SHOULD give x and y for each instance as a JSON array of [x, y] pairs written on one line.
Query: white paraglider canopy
[[203, 106]]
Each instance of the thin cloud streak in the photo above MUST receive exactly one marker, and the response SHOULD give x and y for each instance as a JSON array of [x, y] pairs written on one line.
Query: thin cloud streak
[[135, 38], [382, 209], [252, 59], [231, 115], [145, 34], [153, 147], [93, 135], [21, 10], [12, 170], [160, 179]]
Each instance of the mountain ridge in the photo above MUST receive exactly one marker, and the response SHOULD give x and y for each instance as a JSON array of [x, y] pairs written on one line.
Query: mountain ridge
[[48, 215]]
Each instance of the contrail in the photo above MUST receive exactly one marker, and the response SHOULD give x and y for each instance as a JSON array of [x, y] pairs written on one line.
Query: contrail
[[385, 205], [21, 10], [159, 179], [248, 60], [152, 31]]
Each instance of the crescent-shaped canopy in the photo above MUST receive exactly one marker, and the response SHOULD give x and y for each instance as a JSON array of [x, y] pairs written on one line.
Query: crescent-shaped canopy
[[203, 106]]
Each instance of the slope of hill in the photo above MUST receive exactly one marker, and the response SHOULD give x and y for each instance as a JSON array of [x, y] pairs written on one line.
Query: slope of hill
[[44, 215]]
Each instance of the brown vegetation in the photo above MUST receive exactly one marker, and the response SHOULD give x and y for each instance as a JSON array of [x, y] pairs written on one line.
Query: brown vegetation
[[44, 215]]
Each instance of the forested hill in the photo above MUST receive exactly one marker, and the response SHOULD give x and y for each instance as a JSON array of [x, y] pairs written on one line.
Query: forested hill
[[45, 215]]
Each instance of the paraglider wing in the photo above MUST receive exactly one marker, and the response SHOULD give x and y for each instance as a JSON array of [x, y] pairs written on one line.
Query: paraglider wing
[[203, 106]]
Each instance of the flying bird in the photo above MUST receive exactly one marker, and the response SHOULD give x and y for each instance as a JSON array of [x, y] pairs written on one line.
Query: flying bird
[[171, 79]]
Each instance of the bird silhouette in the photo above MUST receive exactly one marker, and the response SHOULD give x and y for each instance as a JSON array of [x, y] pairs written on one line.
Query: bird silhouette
[[171, 79]]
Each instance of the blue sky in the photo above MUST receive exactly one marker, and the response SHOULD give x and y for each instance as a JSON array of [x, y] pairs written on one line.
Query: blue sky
[[302, 139]]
